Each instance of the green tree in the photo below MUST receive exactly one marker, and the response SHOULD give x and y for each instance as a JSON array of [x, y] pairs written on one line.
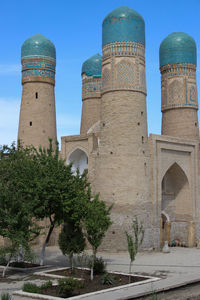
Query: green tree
[[134, 241], [16, 196], [96, 223], [61, 196], [71, 241]]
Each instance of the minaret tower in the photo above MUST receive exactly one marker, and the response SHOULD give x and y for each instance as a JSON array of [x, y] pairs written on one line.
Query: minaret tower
[[122, 161], [91, 92], [178, 85], [37, 114]]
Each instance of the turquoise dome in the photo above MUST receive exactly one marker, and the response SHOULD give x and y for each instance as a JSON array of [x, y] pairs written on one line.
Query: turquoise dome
[[38, 45], [123, 25], [178, 47], [92, 66]]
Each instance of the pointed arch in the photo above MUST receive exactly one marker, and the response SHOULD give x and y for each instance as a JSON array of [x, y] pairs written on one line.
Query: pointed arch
[[176, 198], [175, 165], [79, 160], [165, 216]]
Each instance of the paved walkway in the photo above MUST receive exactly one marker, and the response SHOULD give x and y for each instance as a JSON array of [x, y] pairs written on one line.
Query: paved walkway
[[179, 267]]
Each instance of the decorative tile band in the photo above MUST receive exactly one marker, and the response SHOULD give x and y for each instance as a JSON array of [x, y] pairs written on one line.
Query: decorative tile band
[[38, 69], [91, 87], [178, 86], [38, 65], [123, 49], [38, 72]]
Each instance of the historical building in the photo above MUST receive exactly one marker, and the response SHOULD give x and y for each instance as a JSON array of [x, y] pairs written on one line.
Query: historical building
[[155, 177], [37, 121]]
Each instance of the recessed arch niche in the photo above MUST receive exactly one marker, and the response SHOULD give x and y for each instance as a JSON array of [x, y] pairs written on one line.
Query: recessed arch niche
[[79, 160], [176, 205], [176, 197]]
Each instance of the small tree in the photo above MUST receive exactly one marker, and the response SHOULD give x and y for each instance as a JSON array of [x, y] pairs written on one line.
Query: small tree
[[71, 241], [135, 241], [96, 223], [16, 200]]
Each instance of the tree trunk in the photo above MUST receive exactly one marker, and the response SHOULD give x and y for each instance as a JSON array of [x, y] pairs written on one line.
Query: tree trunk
[[6, 267], [71, 262], [129, 278], [42, 255], [95, 253], [20, 254], [92, 267]]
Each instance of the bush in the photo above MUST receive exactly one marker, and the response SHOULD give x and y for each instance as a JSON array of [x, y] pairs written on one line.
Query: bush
[[46, 285], [107, 279], [31, 288], [68, 285], [5, 296], [99, 265]]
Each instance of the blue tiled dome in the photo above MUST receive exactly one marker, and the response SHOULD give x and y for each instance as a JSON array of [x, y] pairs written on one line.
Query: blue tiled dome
[[92, 66], [38, 45], [123, 25], [178, 47]]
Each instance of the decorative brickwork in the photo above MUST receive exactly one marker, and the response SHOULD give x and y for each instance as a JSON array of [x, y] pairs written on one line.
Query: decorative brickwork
[[123, 49], [179, 100], [123, 67], [125, 73], [179, 86], [91, 87]]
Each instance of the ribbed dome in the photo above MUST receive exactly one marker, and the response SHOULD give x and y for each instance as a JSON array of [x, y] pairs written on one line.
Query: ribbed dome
[[123, 25], [92, 66], [178, 47], [38, 45]]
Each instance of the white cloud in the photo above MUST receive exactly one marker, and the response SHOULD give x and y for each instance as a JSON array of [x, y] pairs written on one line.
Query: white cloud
[[9, 118], [8, 69]]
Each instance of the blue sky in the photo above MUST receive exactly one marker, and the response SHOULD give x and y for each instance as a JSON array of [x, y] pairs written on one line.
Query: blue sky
[[75, 29]]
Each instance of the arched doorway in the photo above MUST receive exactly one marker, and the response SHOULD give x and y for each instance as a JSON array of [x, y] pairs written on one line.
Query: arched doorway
[[79, 160], [176, 204]]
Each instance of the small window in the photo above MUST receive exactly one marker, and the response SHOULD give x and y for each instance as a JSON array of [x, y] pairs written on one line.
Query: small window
[[36, 95], [30, 123], [145, 168], [142, 140]]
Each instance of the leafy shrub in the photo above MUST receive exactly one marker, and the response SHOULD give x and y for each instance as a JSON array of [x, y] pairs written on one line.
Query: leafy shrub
[[99, 265], [31, 288], [5, 296], [46, 285], [107, 279], [68, 285]]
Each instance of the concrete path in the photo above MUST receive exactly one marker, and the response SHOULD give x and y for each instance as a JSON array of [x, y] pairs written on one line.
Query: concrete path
[[179, 267]]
